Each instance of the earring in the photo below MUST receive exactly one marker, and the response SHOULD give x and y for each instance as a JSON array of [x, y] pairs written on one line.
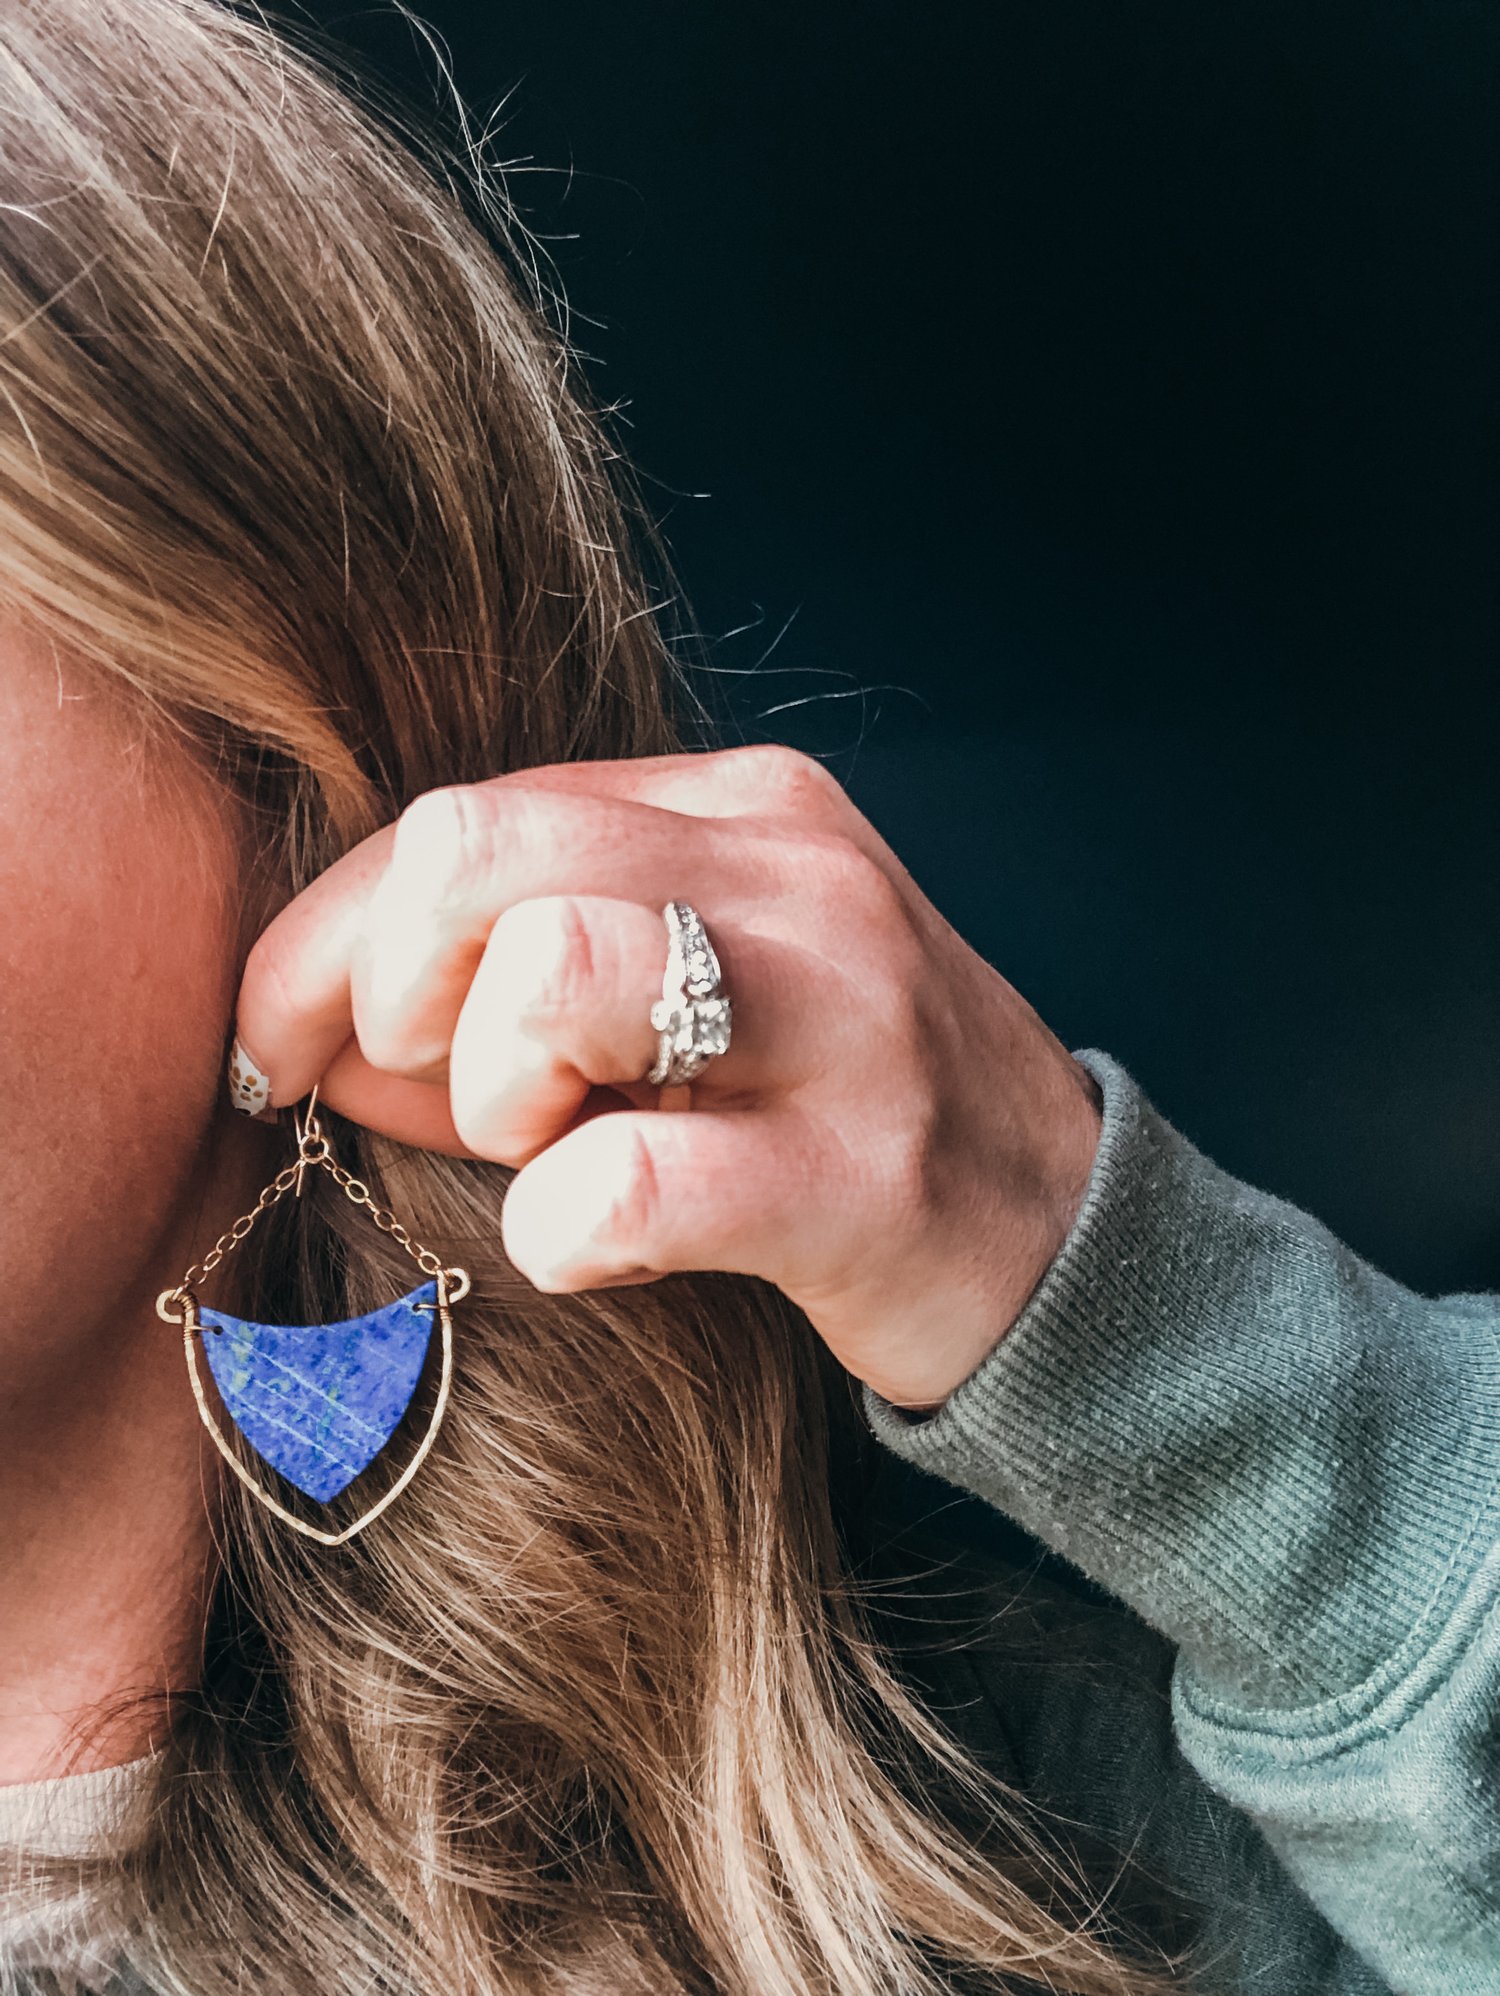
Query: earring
[[318, 1402]]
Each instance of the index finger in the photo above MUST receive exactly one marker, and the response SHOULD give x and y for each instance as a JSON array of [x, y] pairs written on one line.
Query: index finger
[[294, 1012], [315, 932]]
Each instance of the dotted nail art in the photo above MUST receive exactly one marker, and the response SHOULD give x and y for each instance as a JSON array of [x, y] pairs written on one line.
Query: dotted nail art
[[249, 1089]]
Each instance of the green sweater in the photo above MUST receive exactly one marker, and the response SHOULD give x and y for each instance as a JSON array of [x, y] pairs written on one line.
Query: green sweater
[[1232, 1497], [1280, 1471]]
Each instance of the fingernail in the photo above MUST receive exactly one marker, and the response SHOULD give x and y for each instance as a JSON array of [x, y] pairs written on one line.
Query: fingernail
[[249, 1085]]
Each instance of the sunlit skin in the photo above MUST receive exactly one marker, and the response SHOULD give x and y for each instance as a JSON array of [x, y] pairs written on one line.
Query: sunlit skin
[[120, 973], [894, 1137]]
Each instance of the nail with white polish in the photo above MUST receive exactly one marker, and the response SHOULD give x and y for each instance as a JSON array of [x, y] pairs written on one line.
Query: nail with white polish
[[249, 1087]]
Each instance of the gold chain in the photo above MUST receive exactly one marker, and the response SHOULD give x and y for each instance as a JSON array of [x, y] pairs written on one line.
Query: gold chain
[[282, 1183], [312, 1149], [383, 1217]]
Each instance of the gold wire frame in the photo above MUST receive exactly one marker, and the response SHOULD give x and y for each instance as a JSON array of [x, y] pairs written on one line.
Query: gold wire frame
[[190, 1331], [314, 1150]]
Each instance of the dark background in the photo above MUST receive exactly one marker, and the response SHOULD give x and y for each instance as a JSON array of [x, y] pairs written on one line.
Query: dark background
[[1075, 421]]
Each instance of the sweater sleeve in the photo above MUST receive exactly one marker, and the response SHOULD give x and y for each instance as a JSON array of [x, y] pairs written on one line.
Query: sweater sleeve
[[1289, 1465]]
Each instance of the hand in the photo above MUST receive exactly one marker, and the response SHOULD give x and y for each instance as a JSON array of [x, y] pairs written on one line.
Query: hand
[[893, 1137]]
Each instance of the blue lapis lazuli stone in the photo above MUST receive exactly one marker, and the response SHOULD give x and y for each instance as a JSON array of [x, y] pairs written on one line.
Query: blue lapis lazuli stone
[[320, 1401]]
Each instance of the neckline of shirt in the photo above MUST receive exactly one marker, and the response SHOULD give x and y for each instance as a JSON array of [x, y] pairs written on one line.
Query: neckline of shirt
[[71, 1814]]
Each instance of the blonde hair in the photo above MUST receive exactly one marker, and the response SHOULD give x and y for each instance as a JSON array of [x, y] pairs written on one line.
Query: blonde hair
[[290, 445]]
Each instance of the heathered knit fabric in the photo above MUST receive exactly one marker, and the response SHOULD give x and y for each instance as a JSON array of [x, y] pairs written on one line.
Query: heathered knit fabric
[[1287, 1466], [1262, 1655]]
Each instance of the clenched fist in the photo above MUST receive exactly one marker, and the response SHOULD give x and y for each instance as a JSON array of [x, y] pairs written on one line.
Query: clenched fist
[[893, 1137]]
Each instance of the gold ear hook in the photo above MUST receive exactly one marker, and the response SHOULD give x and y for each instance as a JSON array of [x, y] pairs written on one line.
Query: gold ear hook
[[307, 1122], [312, 1145]]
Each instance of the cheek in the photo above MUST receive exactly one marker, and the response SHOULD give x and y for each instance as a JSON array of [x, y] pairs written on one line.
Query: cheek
[[117, 913], [118, 934]]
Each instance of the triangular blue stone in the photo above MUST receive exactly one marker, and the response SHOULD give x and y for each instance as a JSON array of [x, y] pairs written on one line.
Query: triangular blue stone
[[320, 1401]]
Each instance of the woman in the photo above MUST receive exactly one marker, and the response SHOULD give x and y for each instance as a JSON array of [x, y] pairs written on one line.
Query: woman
[[720, 1642]]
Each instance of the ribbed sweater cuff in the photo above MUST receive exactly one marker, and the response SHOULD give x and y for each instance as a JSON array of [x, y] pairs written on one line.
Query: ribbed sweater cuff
[[1282, 1459]]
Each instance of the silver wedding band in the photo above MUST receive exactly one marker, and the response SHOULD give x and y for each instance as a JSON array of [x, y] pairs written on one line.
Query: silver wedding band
[[692, 1015]]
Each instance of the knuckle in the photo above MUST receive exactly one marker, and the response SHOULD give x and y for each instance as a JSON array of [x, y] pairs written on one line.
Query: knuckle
[[442, 837], [855, 885], [787, 778], [915, 1155], [386, 1033], [632, 1213], [899, 1004], [387, 1044], [901, 1158], [397, 1044], [474, 1123], [550, 958]]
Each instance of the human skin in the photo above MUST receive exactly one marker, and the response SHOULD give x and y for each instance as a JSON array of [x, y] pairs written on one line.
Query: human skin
[[119, 926], [894, 1137]]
